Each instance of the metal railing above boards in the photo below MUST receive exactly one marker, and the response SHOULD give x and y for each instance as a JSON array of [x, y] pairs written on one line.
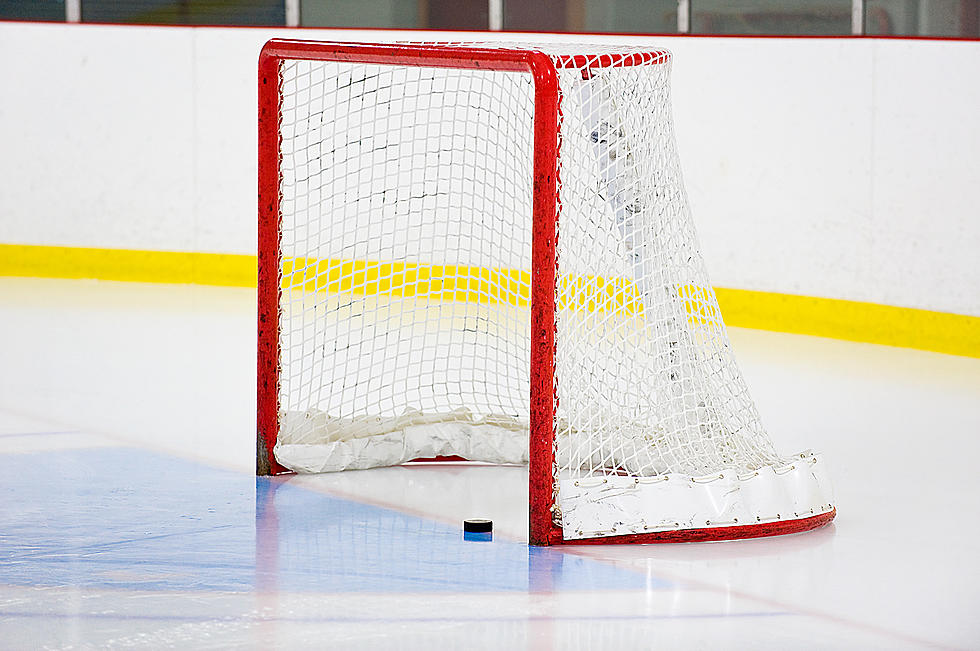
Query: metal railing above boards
[[912, 18]]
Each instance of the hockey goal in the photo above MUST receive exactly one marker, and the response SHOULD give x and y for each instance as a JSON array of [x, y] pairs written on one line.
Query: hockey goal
[[485, 252]]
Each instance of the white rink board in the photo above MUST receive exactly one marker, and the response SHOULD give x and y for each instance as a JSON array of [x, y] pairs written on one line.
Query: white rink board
[[826, 167]]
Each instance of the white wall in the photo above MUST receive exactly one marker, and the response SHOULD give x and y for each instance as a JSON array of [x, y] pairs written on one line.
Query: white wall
[[835, 167], [826, 167]]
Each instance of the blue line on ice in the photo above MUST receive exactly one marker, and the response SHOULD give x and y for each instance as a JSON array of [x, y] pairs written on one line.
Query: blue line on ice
[[132, 519]]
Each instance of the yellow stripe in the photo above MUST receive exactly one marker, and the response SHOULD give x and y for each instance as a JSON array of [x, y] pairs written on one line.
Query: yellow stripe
[[942, 332], [838, 319], [445, 282], [452, 283], [127, 265]]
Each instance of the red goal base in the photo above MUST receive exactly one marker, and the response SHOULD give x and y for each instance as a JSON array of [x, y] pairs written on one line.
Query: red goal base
[[778, 528]]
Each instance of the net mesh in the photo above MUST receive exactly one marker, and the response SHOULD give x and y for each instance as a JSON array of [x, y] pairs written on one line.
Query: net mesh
[[406, 242], [405, 274]]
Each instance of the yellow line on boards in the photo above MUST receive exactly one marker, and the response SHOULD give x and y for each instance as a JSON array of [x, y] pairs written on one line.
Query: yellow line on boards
[[226, 270], [448, 282], [452, 282], [943, 332]]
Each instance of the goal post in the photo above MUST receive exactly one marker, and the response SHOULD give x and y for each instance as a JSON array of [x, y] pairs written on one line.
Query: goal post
[[485, 251]]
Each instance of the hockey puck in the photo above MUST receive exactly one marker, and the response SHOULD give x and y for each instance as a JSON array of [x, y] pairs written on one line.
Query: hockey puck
[[478, 530]]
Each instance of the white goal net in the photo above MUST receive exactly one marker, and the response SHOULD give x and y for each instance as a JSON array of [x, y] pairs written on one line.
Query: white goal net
[[405, 267]]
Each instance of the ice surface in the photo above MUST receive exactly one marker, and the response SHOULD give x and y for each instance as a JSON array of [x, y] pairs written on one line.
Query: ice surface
[[131, 517]]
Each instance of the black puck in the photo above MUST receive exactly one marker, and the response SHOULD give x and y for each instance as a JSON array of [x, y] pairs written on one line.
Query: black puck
[[477, 526]]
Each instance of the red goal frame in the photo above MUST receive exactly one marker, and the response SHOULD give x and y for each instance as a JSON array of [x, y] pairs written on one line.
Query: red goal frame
[[545, 207], [545, 212]]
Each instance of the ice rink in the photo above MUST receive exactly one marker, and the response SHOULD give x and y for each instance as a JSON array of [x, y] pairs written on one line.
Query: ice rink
[[131, 515]]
